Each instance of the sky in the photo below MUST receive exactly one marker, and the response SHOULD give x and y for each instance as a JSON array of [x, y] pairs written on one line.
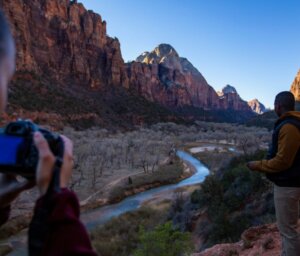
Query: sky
[[253, 45]]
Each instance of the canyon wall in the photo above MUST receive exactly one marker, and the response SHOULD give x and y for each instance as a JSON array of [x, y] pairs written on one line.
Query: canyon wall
[[62, 42], [295, 88], [61, 39]]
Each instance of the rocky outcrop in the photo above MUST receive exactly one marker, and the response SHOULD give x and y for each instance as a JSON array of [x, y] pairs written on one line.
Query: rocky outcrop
[[261, 240], [295, 88], [230, 99], [162, 76], [257, 106], [165, 77], [62, 40]]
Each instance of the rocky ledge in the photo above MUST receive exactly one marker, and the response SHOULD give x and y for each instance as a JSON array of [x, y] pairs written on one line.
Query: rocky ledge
[[262, 240]]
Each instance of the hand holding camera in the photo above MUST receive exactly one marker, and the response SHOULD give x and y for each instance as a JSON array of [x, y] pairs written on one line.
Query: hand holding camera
[[32, 152], [47, 161]]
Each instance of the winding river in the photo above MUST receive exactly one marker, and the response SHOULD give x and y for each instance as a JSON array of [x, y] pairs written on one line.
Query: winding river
[[102, 215]]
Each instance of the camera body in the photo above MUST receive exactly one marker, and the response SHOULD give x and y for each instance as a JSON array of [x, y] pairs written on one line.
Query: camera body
[[18, 154]]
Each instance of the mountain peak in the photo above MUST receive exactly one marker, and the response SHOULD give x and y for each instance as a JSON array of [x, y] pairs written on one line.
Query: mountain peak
[[158, 55], [165, 50], [228, 89], [257, 106]]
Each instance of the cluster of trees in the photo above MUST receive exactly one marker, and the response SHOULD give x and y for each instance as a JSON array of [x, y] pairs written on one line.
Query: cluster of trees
[[99, 152]]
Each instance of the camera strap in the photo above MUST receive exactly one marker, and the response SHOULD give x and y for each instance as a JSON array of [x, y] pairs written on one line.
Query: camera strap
[[54, 185], [38, 228]]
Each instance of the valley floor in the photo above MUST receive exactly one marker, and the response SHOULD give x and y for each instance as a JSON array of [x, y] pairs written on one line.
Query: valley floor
[[112, 166]]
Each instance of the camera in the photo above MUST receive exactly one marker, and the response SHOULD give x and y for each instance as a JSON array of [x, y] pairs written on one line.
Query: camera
[[18, 154]]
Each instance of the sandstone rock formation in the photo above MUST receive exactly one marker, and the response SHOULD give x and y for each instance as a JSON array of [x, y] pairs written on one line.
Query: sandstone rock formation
[[295, 88], [227, 90], [261, 240], [61, 39], [257, 106], [230, 99], [164, 77]]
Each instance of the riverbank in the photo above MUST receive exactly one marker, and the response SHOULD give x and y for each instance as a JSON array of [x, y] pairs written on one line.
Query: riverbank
[[213, 155], [216, 155], [115, 192], [120, 189], [169, 173], [146, 209], [92, 221]]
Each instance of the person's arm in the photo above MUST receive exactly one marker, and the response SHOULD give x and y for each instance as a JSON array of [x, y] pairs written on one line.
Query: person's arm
[[66, 235], [288, 146]]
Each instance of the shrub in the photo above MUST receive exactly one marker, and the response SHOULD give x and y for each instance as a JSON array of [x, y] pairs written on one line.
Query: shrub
[[235, 200], [164, 240], [121, 235]]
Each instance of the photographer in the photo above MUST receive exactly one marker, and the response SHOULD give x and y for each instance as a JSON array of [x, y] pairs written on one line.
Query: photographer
[[56, 228]]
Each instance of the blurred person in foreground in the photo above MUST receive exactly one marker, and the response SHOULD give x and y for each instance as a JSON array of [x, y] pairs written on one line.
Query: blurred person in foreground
[[64, 234], [282, 167]]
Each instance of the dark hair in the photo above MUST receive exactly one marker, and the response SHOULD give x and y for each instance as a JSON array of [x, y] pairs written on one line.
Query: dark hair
[[5, 34], [286, 100]]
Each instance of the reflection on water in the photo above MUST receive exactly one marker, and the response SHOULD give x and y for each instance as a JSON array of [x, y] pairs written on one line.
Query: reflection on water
[[104, 214]]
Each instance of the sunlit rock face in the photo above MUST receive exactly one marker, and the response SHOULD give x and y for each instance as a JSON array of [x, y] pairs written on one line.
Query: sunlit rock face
[[61, 39], [230, 99], [163, 76], [257, 106], [295, 88]]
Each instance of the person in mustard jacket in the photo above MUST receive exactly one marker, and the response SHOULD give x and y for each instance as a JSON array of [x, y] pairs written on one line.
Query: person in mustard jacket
[[282, 167]]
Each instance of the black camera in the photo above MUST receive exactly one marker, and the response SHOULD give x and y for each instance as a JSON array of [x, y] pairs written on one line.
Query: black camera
[[18, 154]]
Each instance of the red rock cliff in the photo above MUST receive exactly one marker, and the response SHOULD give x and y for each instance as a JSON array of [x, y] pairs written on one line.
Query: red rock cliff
[[230, 99], [164, 77], [257, 106], [63, 40], [295, 88]]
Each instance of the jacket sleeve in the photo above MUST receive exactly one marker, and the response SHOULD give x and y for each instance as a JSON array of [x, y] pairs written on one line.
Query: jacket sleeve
[[4, 215], [288, 146], [66, 234]]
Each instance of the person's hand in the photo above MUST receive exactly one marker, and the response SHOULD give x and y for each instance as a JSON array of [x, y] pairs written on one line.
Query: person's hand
[[252, 166], [10, 188], [47, 160]]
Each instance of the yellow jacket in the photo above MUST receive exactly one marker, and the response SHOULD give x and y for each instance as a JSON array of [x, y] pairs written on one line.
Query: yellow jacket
[[288, 146]]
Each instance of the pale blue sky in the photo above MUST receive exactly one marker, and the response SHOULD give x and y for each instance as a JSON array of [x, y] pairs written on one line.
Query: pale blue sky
[[253, 45]]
